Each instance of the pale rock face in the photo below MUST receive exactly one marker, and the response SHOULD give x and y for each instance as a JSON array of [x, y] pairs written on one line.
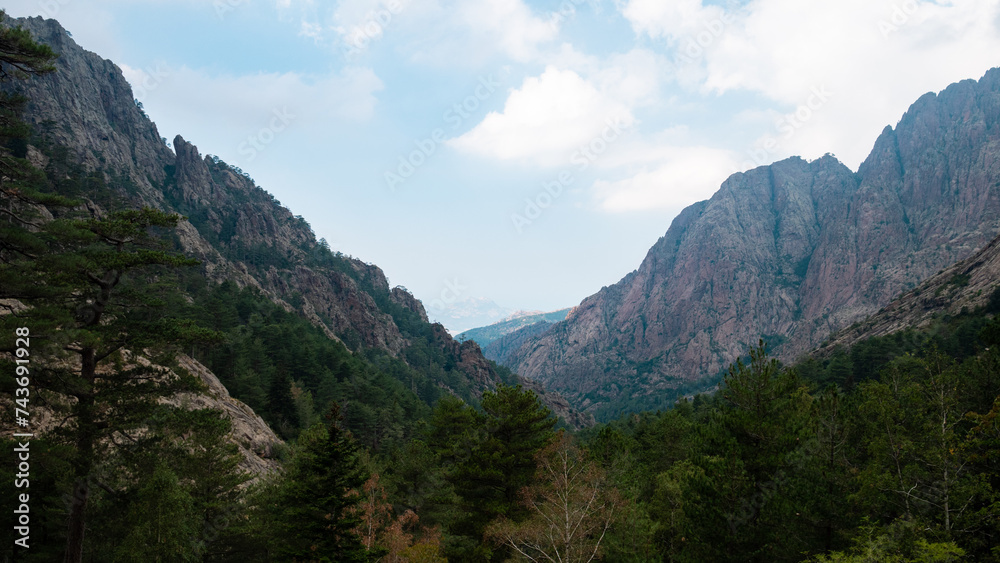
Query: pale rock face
[[797, 249], [254, 438]]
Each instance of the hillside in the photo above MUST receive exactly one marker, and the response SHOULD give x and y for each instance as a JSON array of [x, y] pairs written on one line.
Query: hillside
[[792, 251], [961, 287], [86, 122], [486, 334], [501, 349]]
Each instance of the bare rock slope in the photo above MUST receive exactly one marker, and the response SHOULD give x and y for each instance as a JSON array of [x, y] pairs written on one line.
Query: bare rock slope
[[792, 252]]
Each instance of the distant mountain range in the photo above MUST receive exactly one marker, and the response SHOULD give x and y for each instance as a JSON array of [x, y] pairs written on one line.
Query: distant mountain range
[[484, 335], [792, 252], [460, 315]]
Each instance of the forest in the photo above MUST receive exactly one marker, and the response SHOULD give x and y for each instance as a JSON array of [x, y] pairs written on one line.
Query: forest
[[888, 451]]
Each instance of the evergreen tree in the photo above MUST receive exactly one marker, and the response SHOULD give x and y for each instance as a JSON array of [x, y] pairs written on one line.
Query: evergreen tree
[[157, 524], [89, 290], [744, 501], [317, 504], [282, 405], [515, 427]]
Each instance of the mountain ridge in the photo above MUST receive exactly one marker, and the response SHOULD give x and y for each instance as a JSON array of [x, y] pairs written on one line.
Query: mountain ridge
[[84, 115], [791, 251], [485, 335]]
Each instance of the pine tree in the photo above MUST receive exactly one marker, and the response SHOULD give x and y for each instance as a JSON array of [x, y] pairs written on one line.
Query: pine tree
[[515, 427], [743, 502], [88, 290], [317, 503], [281, 404]]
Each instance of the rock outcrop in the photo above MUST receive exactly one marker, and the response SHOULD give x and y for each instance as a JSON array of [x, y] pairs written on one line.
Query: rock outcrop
[[791, 252], [254, 438], [966, 285]]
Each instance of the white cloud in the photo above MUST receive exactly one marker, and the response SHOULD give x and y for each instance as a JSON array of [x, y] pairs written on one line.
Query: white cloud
[[236, 100], [674, 19], [510, 24], [672, 178], [634, 78], [311, 30], [468, 33], [876, 56], [433, 32], [544, 120]]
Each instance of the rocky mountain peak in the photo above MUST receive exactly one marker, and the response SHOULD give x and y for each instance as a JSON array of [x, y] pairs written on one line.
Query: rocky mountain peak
[[791, 252]]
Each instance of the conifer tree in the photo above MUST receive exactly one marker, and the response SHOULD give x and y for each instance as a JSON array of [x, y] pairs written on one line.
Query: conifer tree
[[84, 288], [317, 503], [515, 427]]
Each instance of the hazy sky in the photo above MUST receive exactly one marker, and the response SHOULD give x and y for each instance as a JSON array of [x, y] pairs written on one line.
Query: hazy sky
[[526, 151]]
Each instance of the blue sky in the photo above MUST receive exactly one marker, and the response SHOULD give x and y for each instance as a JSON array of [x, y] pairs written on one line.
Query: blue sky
[[528, 152]]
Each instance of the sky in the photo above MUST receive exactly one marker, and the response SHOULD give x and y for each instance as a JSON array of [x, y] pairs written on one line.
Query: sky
[[522, 152]]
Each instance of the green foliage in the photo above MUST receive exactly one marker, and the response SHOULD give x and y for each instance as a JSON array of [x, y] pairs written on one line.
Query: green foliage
[[897, 463], [267, 355], [315, 507], [20, 55], [898, 542], [488, 459], [157, 523]]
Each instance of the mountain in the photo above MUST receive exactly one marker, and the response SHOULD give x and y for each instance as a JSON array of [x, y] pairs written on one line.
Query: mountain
[[961, 287], [460, 315], [501, 349], [486, 334], [791, 252], [86, 123]]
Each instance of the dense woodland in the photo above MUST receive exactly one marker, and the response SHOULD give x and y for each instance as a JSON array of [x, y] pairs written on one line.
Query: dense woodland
[[889, 451]]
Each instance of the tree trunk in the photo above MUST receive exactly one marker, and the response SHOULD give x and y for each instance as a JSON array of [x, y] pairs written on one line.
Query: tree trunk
[[77, 523]]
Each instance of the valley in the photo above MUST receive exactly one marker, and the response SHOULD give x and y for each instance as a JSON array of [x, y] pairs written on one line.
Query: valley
[[804, 367]]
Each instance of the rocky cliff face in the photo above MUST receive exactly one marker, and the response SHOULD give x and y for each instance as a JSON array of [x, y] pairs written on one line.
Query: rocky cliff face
[[790, 252], [966, 285], [254, 438], [88, 108], [238, 231]]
